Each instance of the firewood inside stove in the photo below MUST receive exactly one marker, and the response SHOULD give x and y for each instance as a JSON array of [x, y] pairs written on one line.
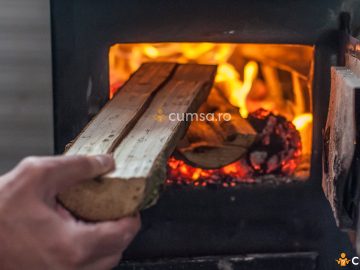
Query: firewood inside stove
[[219, 142]]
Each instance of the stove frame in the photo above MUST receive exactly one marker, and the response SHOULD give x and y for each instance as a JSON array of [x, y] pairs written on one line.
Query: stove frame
[[223, 222]]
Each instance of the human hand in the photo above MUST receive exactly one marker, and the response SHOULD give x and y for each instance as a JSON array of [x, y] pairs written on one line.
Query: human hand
[[37, 233]]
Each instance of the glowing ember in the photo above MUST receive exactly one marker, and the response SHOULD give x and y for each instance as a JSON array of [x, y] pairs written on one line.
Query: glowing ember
[[277, 152], [182, 174], [278, 149]]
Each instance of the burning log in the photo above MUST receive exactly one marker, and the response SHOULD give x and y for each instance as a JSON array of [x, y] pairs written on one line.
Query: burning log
[[277, 151], [214, 144], [135, 126]]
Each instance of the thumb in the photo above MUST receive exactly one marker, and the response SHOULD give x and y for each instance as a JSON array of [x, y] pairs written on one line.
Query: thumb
[[56, 174]]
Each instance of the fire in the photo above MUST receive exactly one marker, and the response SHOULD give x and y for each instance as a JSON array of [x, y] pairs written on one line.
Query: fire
[[125, 59], [249, 84], [238, 95], [283, 163], [151, 52], [302, 120], [228, 76], [182, 173]]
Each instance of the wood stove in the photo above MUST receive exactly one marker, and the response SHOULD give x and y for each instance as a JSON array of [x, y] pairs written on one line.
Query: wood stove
[[273, 224]]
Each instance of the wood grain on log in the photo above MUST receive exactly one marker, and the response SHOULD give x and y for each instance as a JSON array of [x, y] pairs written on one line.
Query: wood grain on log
[[353, 64], [141, 154], [118, 116]]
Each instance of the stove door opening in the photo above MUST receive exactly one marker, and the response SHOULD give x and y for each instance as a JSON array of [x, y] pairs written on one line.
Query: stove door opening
[[256, 125]]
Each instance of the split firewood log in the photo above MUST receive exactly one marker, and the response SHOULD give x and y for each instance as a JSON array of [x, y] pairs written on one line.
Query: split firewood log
[[135, 127], [217, 142]]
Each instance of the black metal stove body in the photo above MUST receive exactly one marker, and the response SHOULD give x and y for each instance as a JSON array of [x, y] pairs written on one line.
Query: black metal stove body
[[288, 218]]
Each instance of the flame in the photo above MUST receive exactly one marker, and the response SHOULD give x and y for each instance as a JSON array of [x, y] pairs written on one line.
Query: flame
[[302, 120], [239, 94], [226, 73], [151, 51], [124, 59], [207, 53], [303, 124], [195, 51]]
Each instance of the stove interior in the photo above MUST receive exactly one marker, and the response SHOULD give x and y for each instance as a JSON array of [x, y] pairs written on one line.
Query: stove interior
[[267, 91]]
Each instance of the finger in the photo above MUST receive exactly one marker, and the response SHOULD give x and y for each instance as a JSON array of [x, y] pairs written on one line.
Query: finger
[[59, 173], [106, 238]]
